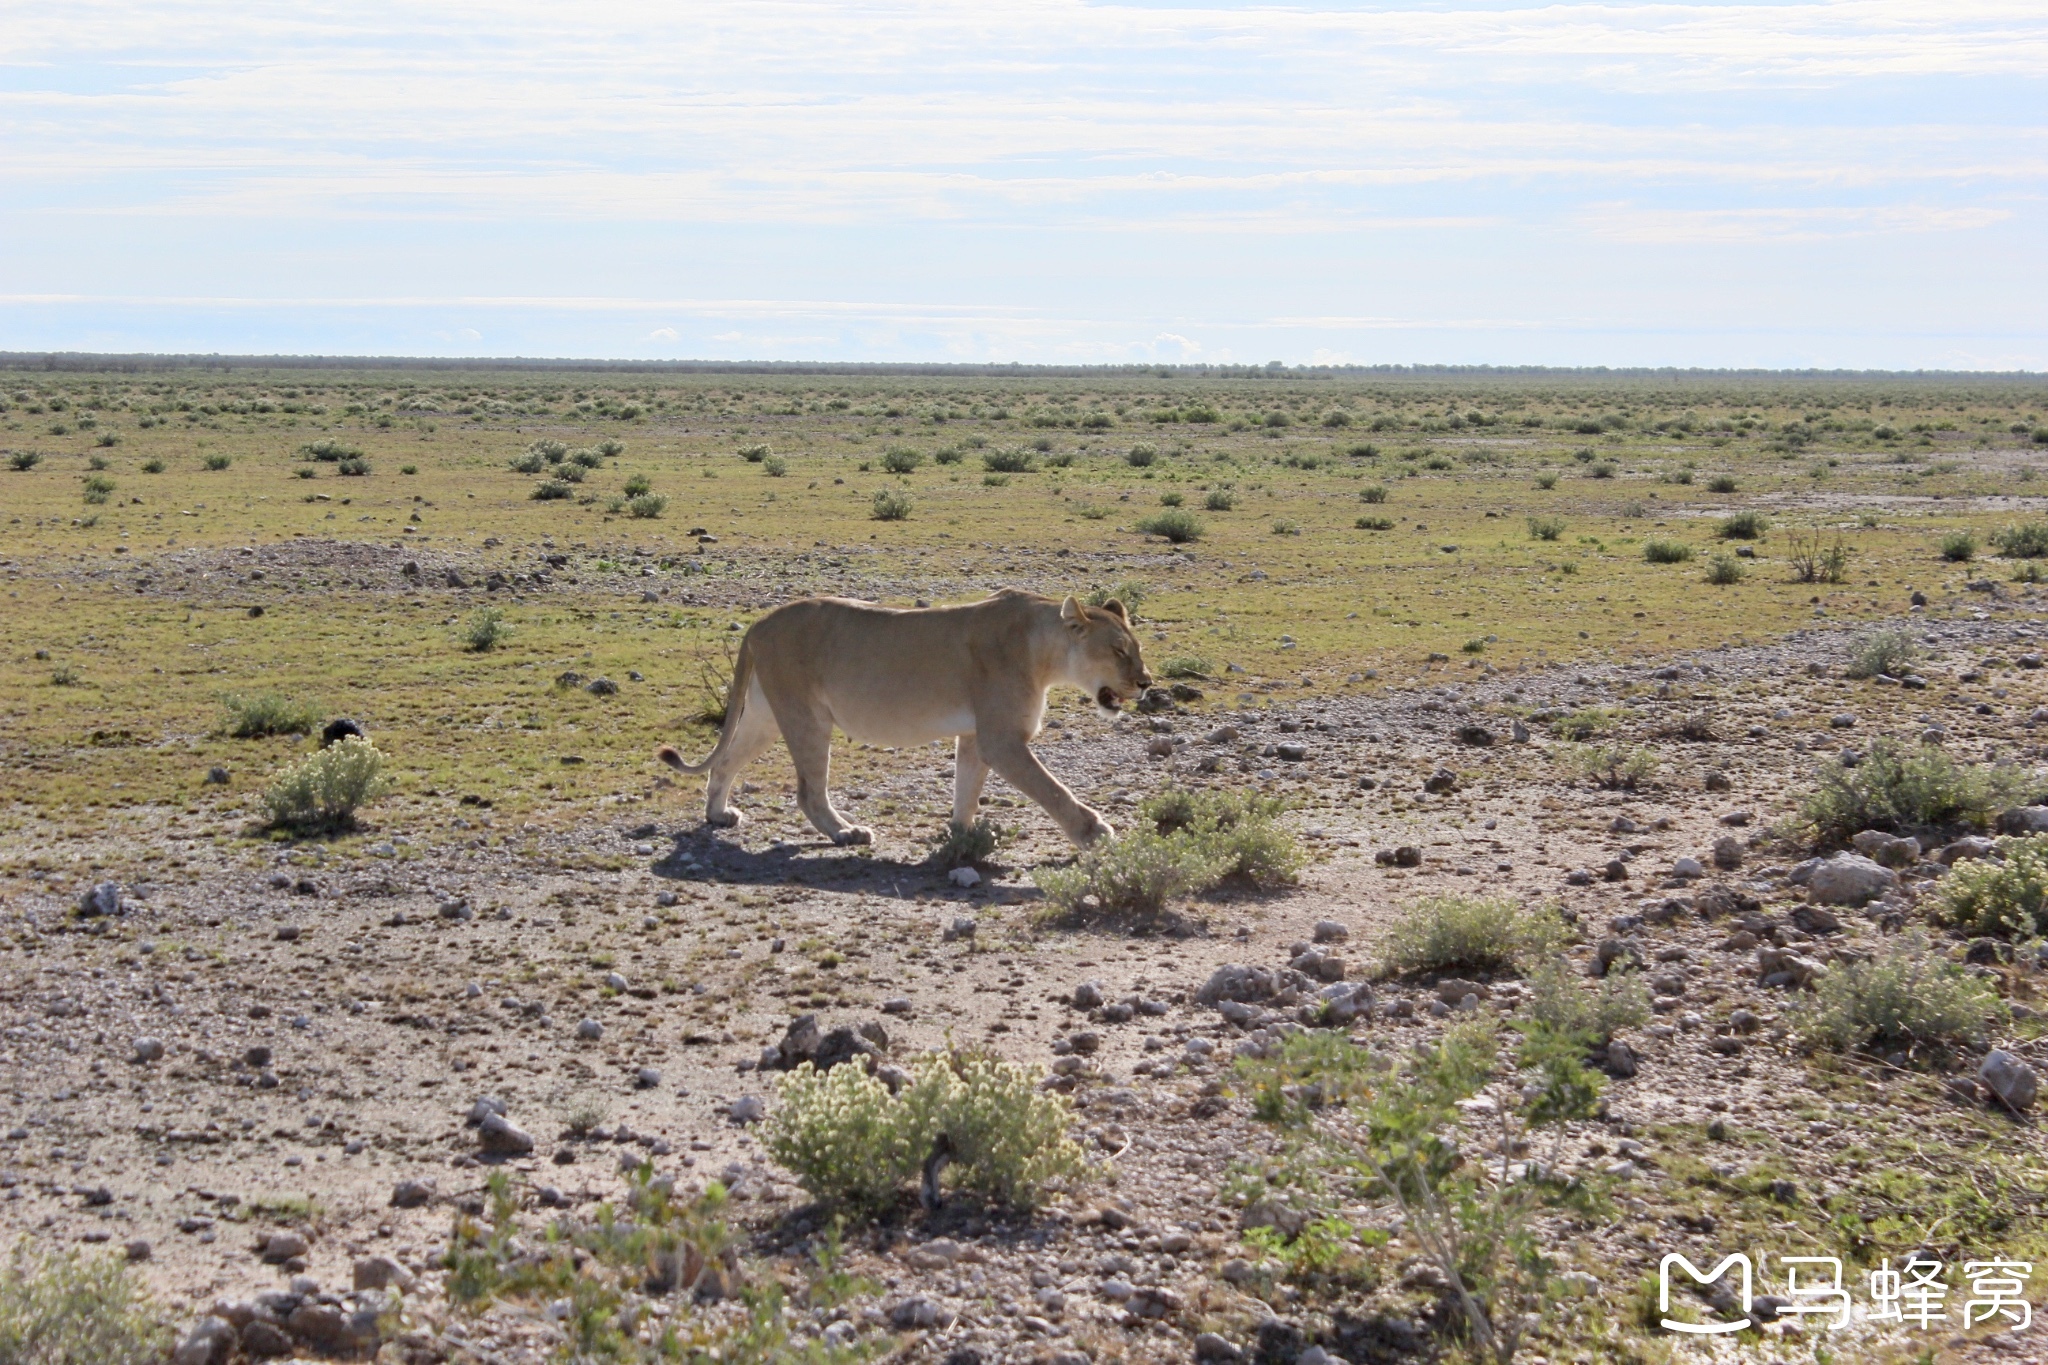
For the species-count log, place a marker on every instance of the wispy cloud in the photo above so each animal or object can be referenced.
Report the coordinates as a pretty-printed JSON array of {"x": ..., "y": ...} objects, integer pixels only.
[{"x": 983, "y": 175}]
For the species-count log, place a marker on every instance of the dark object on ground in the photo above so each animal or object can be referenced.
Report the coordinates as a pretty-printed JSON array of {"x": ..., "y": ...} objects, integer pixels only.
[{"x": 340, "y": 729}]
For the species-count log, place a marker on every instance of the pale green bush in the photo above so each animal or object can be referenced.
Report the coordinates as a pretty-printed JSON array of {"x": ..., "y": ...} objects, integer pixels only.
[
  {"x": 254, "y": 715},
  {"x": 1136, "y": 874},
  {"x": 1558, "y": 1000},
  {"x": 1469, "y": 933},
  {"x": 1905, "y": 786},
  {"x": 1236, "y": 828},
  {"x": 852, "y": 1143},
  {"x": 1908, "y": 994},
  {"x": 2009, "y": 898},
  {"x": 60, "y": 1308},
  {"x": 324, "y": 789}
]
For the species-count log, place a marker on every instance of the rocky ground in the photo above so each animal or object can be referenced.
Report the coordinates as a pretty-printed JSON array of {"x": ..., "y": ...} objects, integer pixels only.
[{"x": 264, "y": 1083}]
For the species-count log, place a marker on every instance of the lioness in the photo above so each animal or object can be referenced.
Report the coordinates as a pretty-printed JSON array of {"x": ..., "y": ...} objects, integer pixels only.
[{"x": 893, "y": 677}]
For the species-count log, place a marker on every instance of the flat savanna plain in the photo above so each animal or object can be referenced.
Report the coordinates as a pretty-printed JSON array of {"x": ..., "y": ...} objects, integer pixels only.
[{"x": 1372, "y": 562}]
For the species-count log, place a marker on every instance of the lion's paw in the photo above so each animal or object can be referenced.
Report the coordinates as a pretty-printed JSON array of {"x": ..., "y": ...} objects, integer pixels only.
[
  {"x": 727, "y": 818},
  {"x": 1095, "y": 829},
  {"x": 854, "y": 834}
]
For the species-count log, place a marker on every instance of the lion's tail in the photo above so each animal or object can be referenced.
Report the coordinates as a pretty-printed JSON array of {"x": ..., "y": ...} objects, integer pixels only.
[{"x": 735, "y": 702}]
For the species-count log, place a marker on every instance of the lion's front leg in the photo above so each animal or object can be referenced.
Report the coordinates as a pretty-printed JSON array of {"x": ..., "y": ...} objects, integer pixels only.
[{"x": 1010, "y": 756}]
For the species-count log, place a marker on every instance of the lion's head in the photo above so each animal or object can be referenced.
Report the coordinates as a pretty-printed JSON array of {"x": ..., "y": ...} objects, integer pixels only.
[{"x": 1105, "y": 659}]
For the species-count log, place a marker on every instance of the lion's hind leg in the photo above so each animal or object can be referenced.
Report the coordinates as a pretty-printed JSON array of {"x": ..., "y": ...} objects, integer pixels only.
[{"x": 749, "y": 740}]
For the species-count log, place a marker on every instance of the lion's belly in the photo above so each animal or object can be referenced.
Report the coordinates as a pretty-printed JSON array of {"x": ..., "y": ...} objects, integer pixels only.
[{"x": 885, "y": 721}]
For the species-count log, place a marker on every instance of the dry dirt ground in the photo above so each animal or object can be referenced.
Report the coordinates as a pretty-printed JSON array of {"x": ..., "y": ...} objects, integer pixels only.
[{"x": 327, "y": 1021}]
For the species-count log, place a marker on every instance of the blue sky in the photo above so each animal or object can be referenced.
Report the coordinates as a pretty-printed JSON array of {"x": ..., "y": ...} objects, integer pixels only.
[{"x": 1856, "y": 184}]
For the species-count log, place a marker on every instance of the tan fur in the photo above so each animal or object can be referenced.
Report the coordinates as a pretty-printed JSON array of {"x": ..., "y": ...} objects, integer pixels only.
[{"x": 977, "y": 673}]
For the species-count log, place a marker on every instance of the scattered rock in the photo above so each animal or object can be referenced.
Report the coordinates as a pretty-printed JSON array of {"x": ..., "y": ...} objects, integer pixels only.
[
  {"x": 748, "y": 1109},
  {"x": 103, "y": 898},
  {"x": 211, "y": 1341},
  {"x": 2010, "y": 1079},
  {"x": 381, "y": 1272},
  {"x": 1845, "y": 879},
  {"x": 497, "y": 1136},
  {"x": 1330, "y": 931},
  {"x": 964, "y": 876},
  {"x": 412, "y": 1194},
  {"x": 148, "y": 1049},
  {"x": 279, "y": 1247}
]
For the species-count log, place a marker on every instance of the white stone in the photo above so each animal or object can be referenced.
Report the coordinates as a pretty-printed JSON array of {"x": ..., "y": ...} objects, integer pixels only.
[
  {"x": 964, "y": 876},
  {"x": 1849, "y": 879}
]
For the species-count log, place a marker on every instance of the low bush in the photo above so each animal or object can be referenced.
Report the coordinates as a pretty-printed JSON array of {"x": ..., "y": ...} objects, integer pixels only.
[
  {"x": 532, "y": 462},
  {"x": 753, "y": 454},
  {"x": 1744, "y": 526},
  {"x": 1175, "y": 524},
  {"x": 1130, "y": 592},
  {"x": 891, "y": 504},
  {"x": 1468, "y": 933},
  {"x": 1187, "y": 666},
  {"x": 1135, "y": 875},
  {"x": 775, "y": 466},
  {"x": 587, "y": 459},
  {"x": 217, "y": 461},
  {"x": 329, "y": 452},
  {"x": 638, "y": 484},
  {"x": 1959, "y": 547},
  {"x": 2026, "y": 540},
  {"x": 1560, "y": 998},
  {"x": 1725, "y": 570},
  {"x": 1547, "y": 480},
  {"x": 484, "y": 630},
  {"x": 1889, "y": 652},
  {"x": 1721, "y": 483},
  {"x": 551, "y": 490},
  {"x": 568, "y": 472},
  {"x": 1374, "y": 523},
  {"x": 1286, "y": 526},
  {"x": 1908, "y": 994},
  {"x": 257, "y": 714},
  {"x": 1373, "y": 493},
  {"x": 1239, "y": 828},
  {"x": 1899, "y": 786},
  {"x": 2005, "y": 897},
  {"x": 968, "y": 844},
  {"x": 98, "y": 488},
  {"x": 1612, "y": 767},
  {"x": 1602, "y": 470},
  {"x": 1220, "y": 500},
  {"x": 646, "y": 506},
  {"x": 325, "y": 789},
  {"x": 61, "y": 1308},
  {"x": 1583, "y": 724},
  {"x": 901, "y": 460},
  {"x": 153, "y": 465},
  {"x": 1816, "y": 561},
  {"x": 853, "y": 1144},
  {"x": 1170, "y": 499},
  {"x": 354, "y": 468},
  {"x": 25, "y": 460},
  {"x": 1009, "y": 462},
  {"x": 1667, "y": 551},
  {"x": 1141, "y": 456},
  {"x": 1546, "y": 528}
]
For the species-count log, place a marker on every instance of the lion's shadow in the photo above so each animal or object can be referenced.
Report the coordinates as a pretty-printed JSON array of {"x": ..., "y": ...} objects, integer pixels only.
[{"x": 708, "y": 856}]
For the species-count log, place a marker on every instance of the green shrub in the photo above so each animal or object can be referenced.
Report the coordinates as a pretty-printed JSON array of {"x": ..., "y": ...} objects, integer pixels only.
[
  {"x": 775, "y": 466},
  {"x": 1725, "y": 570},
  {"x": 25, "y": 460},
  {"x": 1128, "y": 591},
  {"x": 1170, "y": 499},
  {"x": 1959, "y": 547},
  {"x": 532, "y": 462},
  {"x": 947, "y": 455},
  {"x": 1374, "y": 523},
  {"x": 1219, "y": 500},
  {"x": 965, "y": 844},
  {"x": 1612, "y": 767},
  {"x": 2026, "y": 540},
  {"x": 1175, "y": 524},
  {"x": 408, "y": 469},
  {"x": 1238, "y": 828},
  {"x": 570, "y": 472},
  {"x": 1899, "y": 786},
  {"x": 329, "y": 452},
  {"x": 217, "y": 461},
  {"x": 891, "y": 504},
  {"x": 1602, "y": 470},
  {"x": 2008, "y": 899},
  {"x": 1187, "y": 666},
  {"x": 1286, "y": 526},
  {"x": 852, "y": 1144},
  {"x": 1547, "y": 480},
  {"x": 98, "y": 488},
  {"x": 1744, "y": 526},
  {"x": 323, "y": 790},
  {"x": 60, "y": 1308},
  {"x": 638, "y": 484},
  {"x": 1467, "y": 933},
  {"x": 153, "y": 465},
  {"x": 551, "y": 490},
  {"x": 258, "y": 714},
  {"x": 484, "y": 630},
  {"x": 1666, "y": 551},
  {"x": 1721, "y": 483},
  {"x": 354, "y": 467},
  {"x": 1907, "y": 994},
  {"x": 901, "y": 460},
  {"x": 754, "y": 454},
  {"x": 995, "y": 481},
  {"x": 586, "y": 459},
  {"x": 1546, "y": 528},
  {"x": 1373, "y": 493},
  {"x": 1134, "y": 875},
  {"x": 1890, "y": 652},
  {"x": 646, "y": 506},
  {"x": 611, "y": 448},
  {"x": 1140, "y": 457},
  {"x": 1583, "y": 724},
  {"x": 1009, "y": 462},
  {"x": 1560, "y": 999}
]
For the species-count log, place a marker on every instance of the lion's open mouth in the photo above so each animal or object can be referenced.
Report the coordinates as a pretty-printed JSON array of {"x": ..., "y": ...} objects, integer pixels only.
[{"x": 1109, "y": 699}]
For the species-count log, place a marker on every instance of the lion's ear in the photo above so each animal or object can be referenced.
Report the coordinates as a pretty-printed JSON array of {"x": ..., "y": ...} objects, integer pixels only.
[
  {"x": 1116, "y": 609},
  {"x": 1071, "y": 613}
]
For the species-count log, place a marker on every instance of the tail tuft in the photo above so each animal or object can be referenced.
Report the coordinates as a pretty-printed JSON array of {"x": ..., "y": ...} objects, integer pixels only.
[{"x": 667, "y": 754}]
